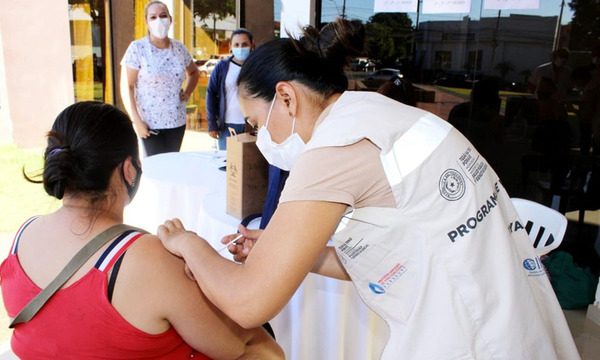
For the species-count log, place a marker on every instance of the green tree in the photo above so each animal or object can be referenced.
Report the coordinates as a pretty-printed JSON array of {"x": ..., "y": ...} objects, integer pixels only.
[
  {"x": 389, "y": 37},
  {"x": 585, "y": 31},
  {"x": 214, "y": 10}
]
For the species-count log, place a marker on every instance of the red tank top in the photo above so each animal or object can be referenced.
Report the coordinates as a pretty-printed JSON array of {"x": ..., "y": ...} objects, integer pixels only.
[{"x": 79, "y": 322}]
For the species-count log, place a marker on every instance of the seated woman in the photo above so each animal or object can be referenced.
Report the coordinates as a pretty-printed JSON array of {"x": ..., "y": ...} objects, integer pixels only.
[{"x": 131, "y": 299}]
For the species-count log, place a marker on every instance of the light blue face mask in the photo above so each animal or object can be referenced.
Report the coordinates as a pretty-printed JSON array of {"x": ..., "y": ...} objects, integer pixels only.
[{"x": 241, "y": 53}]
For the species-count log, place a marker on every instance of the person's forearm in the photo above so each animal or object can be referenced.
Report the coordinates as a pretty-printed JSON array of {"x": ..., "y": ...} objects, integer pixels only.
[
  {"x": 220, "y": 279},
  {"x": 191, "y": 83},
  {"x": 329, "y": 265},
  {"x": 130, "y": 105},
  {"x": 127, "y": 87}
]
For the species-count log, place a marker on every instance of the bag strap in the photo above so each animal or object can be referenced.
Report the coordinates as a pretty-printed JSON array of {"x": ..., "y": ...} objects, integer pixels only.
[{"x": 29, "y": 311}]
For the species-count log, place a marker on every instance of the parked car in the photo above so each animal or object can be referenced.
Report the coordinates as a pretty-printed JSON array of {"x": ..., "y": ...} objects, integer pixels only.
[
  {"x": 362, "y": 64},
  {"x": 358, "y": 64},
  {"x": 458, "y": 79},
  {"x": 383, "y": 74},
  {"x": 206, "y": 66},
  {"x": 369, "y": 66}
]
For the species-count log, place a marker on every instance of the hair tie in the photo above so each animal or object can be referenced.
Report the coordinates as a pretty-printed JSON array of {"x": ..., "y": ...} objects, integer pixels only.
[{"x": 54, "y": 151}]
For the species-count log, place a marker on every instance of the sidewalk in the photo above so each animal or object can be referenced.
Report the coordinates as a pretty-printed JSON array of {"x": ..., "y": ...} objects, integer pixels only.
[{"x": 444, "y": 102}]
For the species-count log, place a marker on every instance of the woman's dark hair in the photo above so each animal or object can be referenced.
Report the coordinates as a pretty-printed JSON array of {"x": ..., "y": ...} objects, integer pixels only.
[
  {"x": 88, "y": 140},
  {"x": 242, "y": 31},
  {"x": 316, "y": 60}
]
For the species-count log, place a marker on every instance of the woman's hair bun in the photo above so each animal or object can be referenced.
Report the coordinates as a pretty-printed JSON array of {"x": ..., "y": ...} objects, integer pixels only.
[
  {"x": 87, "y": 142},
  {"x": 336, "y": 42},
  {"x": 60, "y": 167}
]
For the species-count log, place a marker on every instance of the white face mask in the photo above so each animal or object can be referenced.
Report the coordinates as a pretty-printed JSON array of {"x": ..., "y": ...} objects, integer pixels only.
[
  {"x": 282, "y": 155},
  {"x": 159, "y": 27}
]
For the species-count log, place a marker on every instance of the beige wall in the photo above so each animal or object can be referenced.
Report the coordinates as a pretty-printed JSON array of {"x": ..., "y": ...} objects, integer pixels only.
[{"x": 36, "y": 80}]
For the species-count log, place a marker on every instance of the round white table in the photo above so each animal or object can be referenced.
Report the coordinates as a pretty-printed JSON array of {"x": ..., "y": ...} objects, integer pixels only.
[
  {"x": 325, "y": 319},
  {"x": 174, "y": 185}
]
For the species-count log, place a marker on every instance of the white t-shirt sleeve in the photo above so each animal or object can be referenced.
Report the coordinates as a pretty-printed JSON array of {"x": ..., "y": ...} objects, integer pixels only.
[
  {"x": 131, "y": 59},
  {"x": 183, "y": 53}
]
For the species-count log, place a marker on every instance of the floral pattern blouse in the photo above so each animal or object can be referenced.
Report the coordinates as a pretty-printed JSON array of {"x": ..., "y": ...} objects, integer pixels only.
[{"x": 160, "y": 77}]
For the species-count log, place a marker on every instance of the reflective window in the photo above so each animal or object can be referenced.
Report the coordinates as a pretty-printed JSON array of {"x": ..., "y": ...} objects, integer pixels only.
[
  {"x": 522, "y": 85},
  {"x": 88, "y": 49}
]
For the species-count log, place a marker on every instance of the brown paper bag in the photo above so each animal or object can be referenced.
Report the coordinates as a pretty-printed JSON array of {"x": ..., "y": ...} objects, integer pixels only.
[{"x": 247, "y": 176}]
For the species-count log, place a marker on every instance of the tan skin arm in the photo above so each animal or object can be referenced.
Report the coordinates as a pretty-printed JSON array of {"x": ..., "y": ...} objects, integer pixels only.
[
  {"x": 288, "y": 249},
  {"x": 192, "y": 80},
  {"x": 128, "y": 80},
  {"x": 329, "y": 265},
  {"x": 152, "y": 292}
]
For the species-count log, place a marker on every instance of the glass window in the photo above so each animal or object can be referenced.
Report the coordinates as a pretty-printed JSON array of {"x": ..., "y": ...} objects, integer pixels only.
[
  {"x": 88, "y": 49},
  {"x": 442, "y": 60},
  {"x": 498, "y": 77}
]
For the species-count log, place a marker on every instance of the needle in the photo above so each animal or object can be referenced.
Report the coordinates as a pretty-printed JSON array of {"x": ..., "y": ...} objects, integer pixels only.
[{"x": 231, "y": 242}]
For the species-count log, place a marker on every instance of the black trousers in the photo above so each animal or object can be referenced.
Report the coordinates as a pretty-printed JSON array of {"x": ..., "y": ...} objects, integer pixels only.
[{"x": 167, "y": 140}]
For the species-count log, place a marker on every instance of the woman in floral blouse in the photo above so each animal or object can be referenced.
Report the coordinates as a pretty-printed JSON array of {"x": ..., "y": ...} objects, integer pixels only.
[{"x": 155, "y": 68}]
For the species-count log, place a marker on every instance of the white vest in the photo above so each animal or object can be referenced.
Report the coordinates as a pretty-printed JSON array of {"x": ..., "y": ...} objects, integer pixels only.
[{"x": 446, "y": 268}]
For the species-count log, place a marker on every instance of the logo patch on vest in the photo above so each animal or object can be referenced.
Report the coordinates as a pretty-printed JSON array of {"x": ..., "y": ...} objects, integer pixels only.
[
  {"x": 387, "y": 279},
  {"x": 534, "y": 267},
  {"x": 452, "y": 185}
]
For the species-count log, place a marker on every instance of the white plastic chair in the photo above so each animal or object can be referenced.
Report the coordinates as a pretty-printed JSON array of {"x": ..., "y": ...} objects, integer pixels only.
[{"x": 546, "y": 227}]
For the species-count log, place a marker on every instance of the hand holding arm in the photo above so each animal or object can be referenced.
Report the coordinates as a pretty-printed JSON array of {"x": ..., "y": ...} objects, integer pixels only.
[
  {"x": 288, "y": 249},
  {"x": 174, "y": 236},
  {"x": 154, "y": 294}
]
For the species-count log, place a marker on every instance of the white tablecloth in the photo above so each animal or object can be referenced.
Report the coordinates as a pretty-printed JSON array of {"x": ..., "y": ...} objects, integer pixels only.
[
  {"x": 325, "y": 319},
  {"x": 174, "y": 185}
]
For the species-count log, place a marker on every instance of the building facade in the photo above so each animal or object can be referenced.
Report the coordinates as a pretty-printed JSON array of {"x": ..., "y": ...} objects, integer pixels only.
[{"x": 519, "y": 42}]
